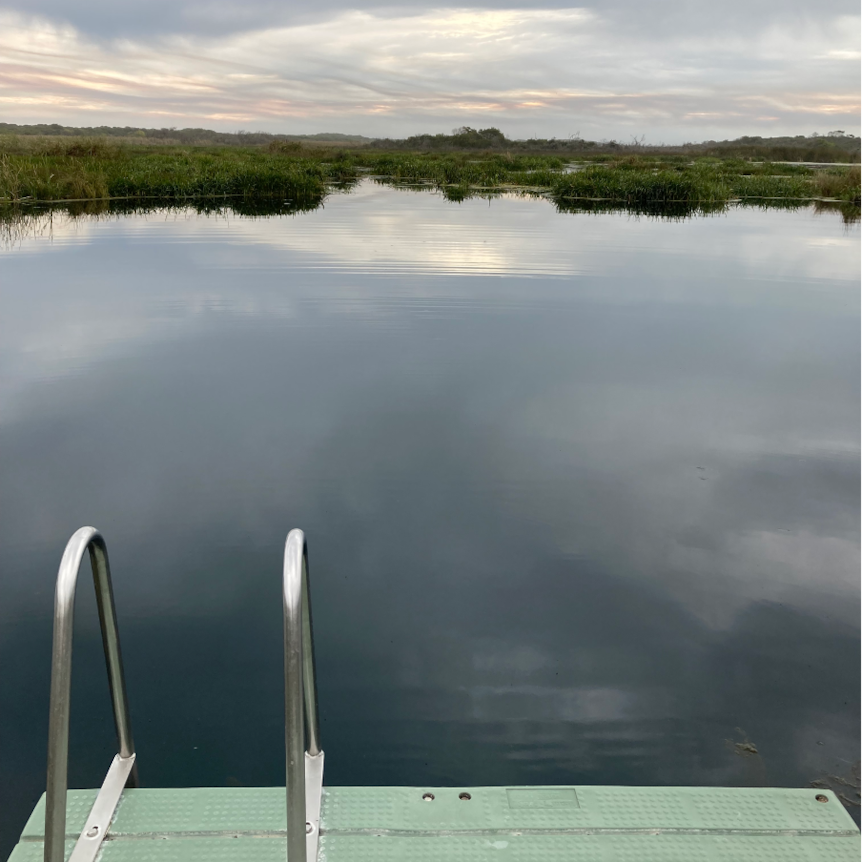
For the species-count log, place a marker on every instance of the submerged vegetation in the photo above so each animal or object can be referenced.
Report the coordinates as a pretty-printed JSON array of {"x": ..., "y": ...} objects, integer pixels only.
[{"x": 39, "y": 169}]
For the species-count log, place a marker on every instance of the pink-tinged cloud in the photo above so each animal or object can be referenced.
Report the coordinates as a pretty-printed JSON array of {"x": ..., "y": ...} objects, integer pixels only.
[{"x": 529, "y": 71}]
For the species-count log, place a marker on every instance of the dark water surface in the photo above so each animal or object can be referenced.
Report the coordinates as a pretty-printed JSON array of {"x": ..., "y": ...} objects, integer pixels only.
[{"x": 581, "y": 491}]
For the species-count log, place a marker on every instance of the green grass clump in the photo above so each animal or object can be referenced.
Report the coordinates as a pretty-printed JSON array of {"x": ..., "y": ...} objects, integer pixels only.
[
  {"x": 74, "y": 169},
  {"x": 48, "y": 178},
  {"x": 192, "y": 175},
  {"x": 640, "y": 186},
  {"x": 704, "y": 182},
  {"x": 754, "y": 186}
]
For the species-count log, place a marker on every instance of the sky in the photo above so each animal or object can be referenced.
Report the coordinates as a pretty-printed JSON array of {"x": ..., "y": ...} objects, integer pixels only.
[{"x": 665, "y": 71}]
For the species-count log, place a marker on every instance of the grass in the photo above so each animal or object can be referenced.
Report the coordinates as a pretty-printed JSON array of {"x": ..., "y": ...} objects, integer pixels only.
[
  {"x": 37, "y": 170},
  {"x": 839, "y": 185},
  {"x": 76, "y": 169}
]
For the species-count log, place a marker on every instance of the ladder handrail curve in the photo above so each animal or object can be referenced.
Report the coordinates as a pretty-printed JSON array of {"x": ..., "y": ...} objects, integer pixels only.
[
  {"x": 301, "y": 723},
  {"x": 123, "y": 771}
]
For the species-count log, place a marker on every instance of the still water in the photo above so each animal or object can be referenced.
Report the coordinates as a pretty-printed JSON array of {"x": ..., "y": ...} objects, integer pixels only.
[{"x": 581, "y": 491}]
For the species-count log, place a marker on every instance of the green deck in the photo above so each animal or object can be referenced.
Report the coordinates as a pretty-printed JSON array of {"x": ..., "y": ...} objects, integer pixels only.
[{"x": 527, "y": 824}]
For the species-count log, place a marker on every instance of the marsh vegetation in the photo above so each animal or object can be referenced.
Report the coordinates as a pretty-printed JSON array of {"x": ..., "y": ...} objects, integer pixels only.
[{"x": 43, "y": 169}]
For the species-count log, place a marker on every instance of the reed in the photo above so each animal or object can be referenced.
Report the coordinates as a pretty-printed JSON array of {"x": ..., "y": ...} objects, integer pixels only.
[
  {"x": 843, "y": 185},
  {"x": 81, "y": 169}
]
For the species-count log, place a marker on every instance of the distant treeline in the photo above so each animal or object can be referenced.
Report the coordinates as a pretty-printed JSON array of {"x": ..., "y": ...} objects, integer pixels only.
[
  {"x": 836, "y": 146},
  {"x": 176, "y": 136},
  {"x": 832, "y": 147}
]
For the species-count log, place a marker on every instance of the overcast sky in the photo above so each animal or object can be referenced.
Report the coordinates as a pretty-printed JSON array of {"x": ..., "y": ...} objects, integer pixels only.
[{"x": 671, "y": 70}]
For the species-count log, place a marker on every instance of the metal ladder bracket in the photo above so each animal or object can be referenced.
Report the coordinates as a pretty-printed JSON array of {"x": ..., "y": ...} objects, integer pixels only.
[
  {"x": 313, "y": 799},
  {"x": 102, "y": 813}
]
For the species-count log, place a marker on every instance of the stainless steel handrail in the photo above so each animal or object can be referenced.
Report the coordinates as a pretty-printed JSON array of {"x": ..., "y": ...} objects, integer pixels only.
[
  {"x": 122, "y": 772},
  {"x": 303, "y": 760}
]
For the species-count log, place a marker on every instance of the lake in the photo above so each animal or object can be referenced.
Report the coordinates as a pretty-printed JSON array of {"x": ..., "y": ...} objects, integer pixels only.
[{"x": 581, "y": 491}]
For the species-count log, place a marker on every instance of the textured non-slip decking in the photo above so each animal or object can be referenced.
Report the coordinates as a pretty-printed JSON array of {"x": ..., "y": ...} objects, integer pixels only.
[{"x": 527, "y": 824}]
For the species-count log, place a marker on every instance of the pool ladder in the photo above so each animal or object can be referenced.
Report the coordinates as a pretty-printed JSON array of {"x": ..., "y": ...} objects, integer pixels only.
[{"x": 303, "y": 754}]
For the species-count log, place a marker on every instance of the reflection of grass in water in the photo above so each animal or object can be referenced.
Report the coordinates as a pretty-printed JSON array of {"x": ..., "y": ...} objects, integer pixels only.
[
  {"x": 18, "y": 223},
  {"x": 21, "y": 222},
  {"x": 850, "y": 212},
  {"x": 668, "y": 210}
]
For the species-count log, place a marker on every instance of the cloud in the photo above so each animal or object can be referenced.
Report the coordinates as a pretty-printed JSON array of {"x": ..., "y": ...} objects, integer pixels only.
[
  {"x": 553, "y": 71},
  {"x": 667, "y": 20}
]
